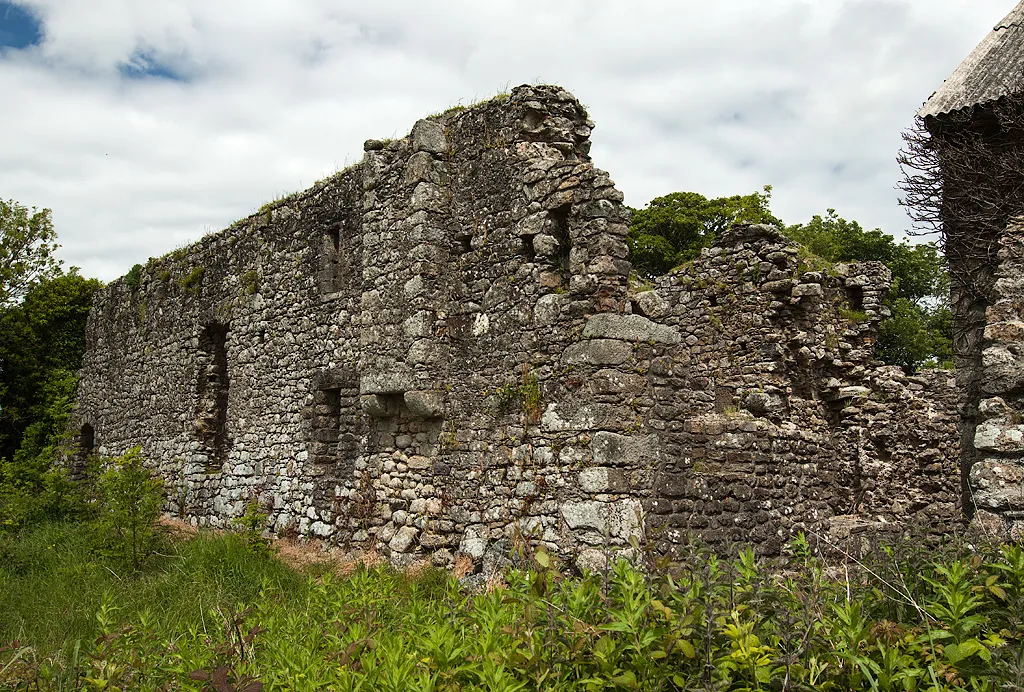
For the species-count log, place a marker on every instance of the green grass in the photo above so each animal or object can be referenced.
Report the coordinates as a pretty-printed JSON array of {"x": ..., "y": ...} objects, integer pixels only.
[
  {"x": 910, "y": 617},
  {"x": 54, "y": 582}
]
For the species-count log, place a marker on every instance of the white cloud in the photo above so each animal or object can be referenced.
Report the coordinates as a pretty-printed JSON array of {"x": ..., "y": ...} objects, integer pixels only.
[{"x": 719, "y": 98}]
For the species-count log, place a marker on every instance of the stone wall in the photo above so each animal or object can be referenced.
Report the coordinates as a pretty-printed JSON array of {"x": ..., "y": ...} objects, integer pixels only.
[
  {"x": 438, "y": 350},
  {"x": 995, "y": 440}
]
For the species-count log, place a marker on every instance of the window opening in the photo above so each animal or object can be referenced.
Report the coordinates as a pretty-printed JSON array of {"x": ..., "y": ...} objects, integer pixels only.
[
  {"x": 87, "y": 440},
  {"x": 855, "y": 295},
  {"x": 213, "y": 395},
  {"x": 560, "y": 229}
]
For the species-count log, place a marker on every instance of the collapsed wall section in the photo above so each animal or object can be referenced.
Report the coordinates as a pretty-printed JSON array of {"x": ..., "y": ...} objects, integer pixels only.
[{"x": 774, "y": 416}]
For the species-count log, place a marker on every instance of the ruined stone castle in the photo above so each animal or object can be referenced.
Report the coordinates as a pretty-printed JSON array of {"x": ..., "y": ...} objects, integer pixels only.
[{"x": 439, "y": 350}]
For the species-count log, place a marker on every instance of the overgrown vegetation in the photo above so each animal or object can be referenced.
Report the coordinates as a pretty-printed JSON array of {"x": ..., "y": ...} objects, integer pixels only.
[
  {"x": 674, "y": 228},
  {"x": 133, "y": 278},
  {"x": 524, "y": 395},
  {"x": 214, "y": 614},
  {"x": 190, "y": 282},
  {"x": 42, "y": 340}
]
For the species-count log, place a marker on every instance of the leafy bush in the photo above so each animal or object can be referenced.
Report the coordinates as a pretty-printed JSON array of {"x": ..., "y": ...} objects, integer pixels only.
[
  {"x": 251, "y": 525},
  {"x": 905, "y": 618},
  {"x": 128, "y": 501}
]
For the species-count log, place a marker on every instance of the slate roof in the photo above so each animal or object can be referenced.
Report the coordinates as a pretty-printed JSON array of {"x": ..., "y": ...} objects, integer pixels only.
[{"x": 994, "y": 69}]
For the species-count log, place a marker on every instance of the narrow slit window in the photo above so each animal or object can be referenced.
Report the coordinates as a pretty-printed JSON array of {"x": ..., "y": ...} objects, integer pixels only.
[
  {"x": 326, "y": 424},
  {"x": 212, "y": 386},
  {"x": 334, "y": 237}
]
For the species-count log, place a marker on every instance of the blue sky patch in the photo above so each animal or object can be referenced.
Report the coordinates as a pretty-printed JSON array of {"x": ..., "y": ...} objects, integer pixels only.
[
  {"x": 19, "y": 28},
  {"x": 144, "y": 66}
]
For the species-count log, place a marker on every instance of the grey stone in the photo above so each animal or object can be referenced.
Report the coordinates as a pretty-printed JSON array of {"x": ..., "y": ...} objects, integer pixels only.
[
  {"x": 403, "y": 539},
  {"x": 602, "y": 479},
  {"x": 612, "y": 449},
  {"x": 549, "y": 307},
  {"x": 376, "y": 406},
  {"x": 429, "y": 135},
  {"x": 425, "y": 404},
  {"x": 545, "y": 245},
  {"x": 763, "y": 403},
  {"x": 856, "y": 392},
  {"x": 998, "y": 484},
  {"x": 419, "y": 168},
  {"x": 592, "y": 560},
  {"x": 427, "y": 197},
  {"x": 803, "y": 290},
  {"x": 397, "y": 380},
  {"x": 997, "y": 436},
  {"x": 629, "y": 328},
  {"x": 652, "y": 304},
  {"x": 586, "y": 515},
  {"x": 598, "y": 352}
]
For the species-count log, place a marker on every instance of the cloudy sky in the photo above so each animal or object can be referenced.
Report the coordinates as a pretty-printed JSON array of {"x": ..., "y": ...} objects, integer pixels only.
[{"x": 144, "y": 124}]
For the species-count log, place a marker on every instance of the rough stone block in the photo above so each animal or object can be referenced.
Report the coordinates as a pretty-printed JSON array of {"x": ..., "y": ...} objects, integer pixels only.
[
  {"x": 598, "y": 352},
  {"x": 1003, "y": 368},
  {"x": 427, "y": 197},
  {"x": 853, "y": 392},
  {"x": 652, "y": 304},
  {"x": 403, "y": 539},
  {"x": 1004, "y": 331},
  {"x": 998, "y": 484},
  {"x": 629, "y": 328},
  {"x": 425, "y": 403},
  {"x": 592, "y": 560},
  {"x": 803, "y": 290},
  {"x": 428, "y": 135},
  {"x": 996, "y": 435},
  {"x": 602, "y": 479},
  {"x": 558, "y": 417},
  {"x": 549, "y": 307},
  {"x": 397, "y": 380},
  {"x": 376, "y": 406},
  {"x": 426, "y": 351},
  {"x": 585, "y": 515},
  {"x": 545, "y": 245},
  {"x": 612, "y": 449},
  {"x": 418, "y": 169}
]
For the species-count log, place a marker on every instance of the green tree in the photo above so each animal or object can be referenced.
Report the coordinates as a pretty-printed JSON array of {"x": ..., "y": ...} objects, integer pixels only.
[
  {"x": 672, "y": 229},
  {"x": 129, "y": 498},
  {"x": 918, "y": 271},
  {"x": 42, "y": 340},
  {"x": 27, "y": 244},
  {"x": 919, "y": 330}
]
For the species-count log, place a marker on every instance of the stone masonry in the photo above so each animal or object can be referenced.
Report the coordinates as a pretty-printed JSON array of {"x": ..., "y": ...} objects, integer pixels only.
[
  {"x": 439, "y": 350},
  {"x": 996, "y": 476}
]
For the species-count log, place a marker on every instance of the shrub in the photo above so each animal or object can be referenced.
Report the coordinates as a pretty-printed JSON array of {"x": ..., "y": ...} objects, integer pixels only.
[{"x": 129, "y": 498}]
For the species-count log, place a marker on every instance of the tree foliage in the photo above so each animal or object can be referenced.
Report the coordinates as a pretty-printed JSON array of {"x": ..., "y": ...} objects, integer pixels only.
[
  {"x": 918, "y": 332},
  {"x": 27, "y": 244},
  {"x": 672, "y": 229},
  {"x": 42, "y": 340},
  {"x": 128, "y": 501}
]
